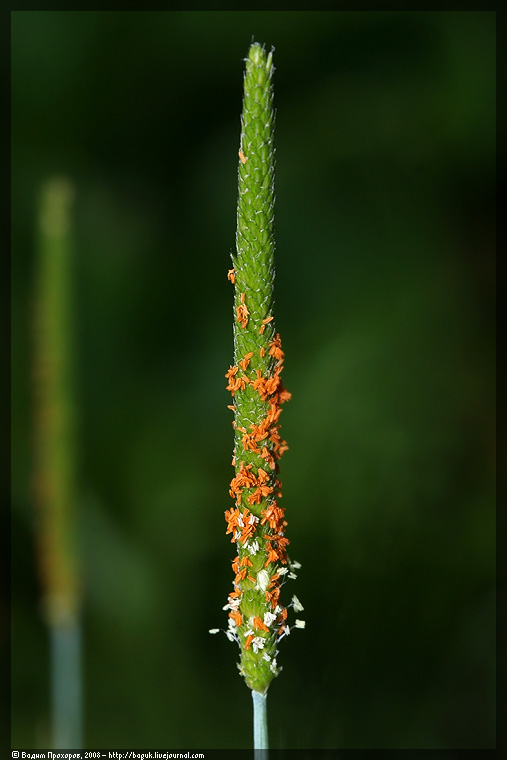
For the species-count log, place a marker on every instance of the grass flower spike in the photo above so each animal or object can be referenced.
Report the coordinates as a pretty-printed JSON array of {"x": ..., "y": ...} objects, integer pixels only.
[{"x": 256, "y": 523}]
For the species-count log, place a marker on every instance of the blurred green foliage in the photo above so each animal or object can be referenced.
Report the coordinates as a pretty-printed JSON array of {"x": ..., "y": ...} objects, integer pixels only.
[{"x": 385, "y": 303}]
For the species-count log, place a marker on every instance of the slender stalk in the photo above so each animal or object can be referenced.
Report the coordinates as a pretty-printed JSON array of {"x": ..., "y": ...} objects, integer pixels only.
[
  {"x": 260, "y": 725},
  {"x": 54, "y": 487}
]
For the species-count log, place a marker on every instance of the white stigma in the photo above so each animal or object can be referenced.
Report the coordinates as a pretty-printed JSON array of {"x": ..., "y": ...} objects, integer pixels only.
[
  {"x": 253, "y": 547},
  {"x": 258, "y": 643},
  {"x": 263, "y": 579},
  {"x": 269, "y": 618},
  {"x": 298, "y": 607}
]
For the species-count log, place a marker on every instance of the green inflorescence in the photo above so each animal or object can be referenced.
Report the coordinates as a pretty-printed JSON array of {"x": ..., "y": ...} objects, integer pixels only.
[{"x": 257, "y": 618}]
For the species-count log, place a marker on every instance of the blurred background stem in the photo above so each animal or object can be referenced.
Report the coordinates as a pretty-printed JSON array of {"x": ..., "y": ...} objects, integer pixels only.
[
  {"x": 54, "y": 487},
  {"x": 66, "y": 696}
]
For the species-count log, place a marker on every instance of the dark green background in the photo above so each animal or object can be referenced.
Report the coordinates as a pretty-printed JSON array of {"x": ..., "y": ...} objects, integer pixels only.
[{"x": 385, "y": 303}]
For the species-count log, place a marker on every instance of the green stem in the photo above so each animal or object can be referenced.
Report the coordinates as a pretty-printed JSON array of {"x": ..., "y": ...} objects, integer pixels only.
[{"x": 260, "y": 724}]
